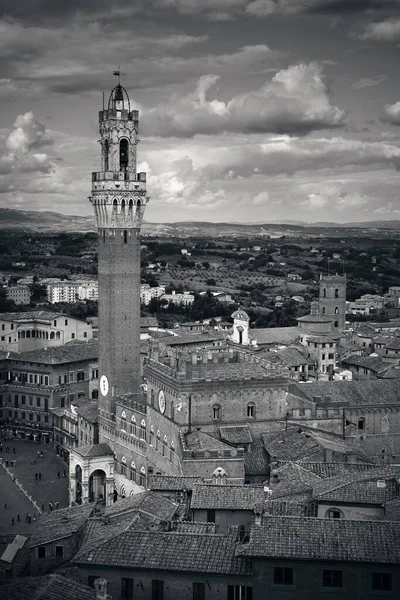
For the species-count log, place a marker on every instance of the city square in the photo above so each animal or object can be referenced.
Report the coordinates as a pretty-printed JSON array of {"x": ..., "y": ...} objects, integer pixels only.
[{"x": 51, "y": 487}]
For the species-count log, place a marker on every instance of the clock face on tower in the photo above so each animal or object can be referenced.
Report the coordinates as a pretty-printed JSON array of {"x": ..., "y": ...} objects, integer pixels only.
[
  {"x": 161, "y": 401},
  {"x": 103, "y": 385}
]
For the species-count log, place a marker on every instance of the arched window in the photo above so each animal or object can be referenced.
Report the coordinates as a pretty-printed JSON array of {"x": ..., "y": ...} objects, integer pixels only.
[
  {"x": 132, "y": 473},
  {"x": 106, "y": 154},
  {"x": 130, "y": 205},
  {"x": 28, "y": 333},
  {"x": 47, "y": 335},
  {"x": 124, "y": 424},
  {"x": 324, "y": 293},
  {"x": 125, "y": 236},
  {"x": 217, "y": 412},
  {"x": 58, "y": 335},
  {"x": 23, "y": 334},
  {"x": 336, "y": 310},
  {"x": 123, "y": 466},
  {"x": 138, "y": 202},
  {"x": 152, "y": 397},
  {"x": 336, "y": 293},
  {"x": 336, "y": 323},
  {"x": 334, "y": 513},
  {"x": 251, "y": 410},
  {"x": 219, "y": 476},
  {"x": 142, "y": 477},
  {"x": 361, "y": 424},
  {"x": 123, "y": 154},
  {"x": 323, "y": 310},
  {"x": 133, "y": 425}
]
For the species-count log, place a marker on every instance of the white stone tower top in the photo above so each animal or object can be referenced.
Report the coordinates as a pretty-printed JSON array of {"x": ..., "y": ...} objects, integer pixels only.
[{"x": 118, "y": 191}]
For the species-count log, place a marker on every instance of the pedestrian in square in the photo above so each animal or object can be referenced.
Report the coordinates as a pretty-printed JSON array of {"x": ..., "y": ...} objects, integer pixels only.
[
  {"x": 58, "y": 474},
  {"x": 18, "y": 518},
  {"x": 41, "y": 454},
  {"x": 64, "y": 473},
  {"x": 40, "y": 475},
  {"x": 26, "y": 517},
  {"x": 5, "y": 505},
  {"x": 14, "y": 450},
  {"x": 12, "y": 521},
  {"x": 38, "y": 454},
  {"x": 56, "y": 504},
  {"x": 29, "y": 519},
  {"x": 42, "y": 508},
  {"x": 36, "y": 475},
  {"x": 50, "y": 506}
]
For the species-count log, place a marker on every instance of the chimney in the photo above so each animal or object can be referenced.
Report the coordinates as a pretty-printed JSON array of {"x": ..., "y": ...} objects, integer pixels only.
[
  {"x": 274, "y": 477},
  {"x": 100, "y": 585}
]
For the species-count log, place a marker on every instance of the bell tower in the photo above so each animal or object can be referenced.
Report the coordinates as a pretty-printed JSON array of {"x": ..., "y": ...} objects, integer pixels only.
[{"x": 119, "y": 200}]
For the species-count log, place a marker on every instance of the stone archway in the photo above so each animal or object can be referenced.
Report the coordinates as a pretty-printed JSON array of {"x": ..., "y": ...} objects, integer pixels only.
[{"x": 97, "y": 485}]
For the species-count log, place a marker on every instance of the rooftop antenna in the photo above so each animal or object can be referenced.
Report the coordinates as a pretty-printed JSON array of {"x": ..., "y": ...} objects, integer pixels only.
[{"x": 329, "y": 260}]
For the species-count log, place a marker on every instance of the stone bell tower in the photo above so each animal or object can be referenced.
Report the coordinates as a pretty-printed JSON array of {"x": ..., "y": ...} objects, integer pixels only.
[{"x": 118, "y": 199}]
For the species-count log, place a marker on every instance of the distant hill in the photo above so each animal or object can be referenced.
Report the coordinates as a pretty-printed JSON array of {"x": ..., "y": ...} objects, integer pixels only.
[{"x": 53, "y": 221}]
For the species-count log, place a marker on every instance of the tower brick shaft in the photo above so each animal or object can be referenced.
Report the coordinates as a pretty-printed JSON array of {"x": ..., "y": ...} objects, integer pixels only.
[
  {"x": 118, "y": 199},
  {"x": 332, "y": 299}
]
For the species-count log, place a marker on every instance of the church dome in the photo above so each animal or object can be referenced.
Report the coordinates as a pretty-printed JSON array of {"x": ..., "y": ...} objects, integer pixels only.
[{"x": 241, "y": 315}]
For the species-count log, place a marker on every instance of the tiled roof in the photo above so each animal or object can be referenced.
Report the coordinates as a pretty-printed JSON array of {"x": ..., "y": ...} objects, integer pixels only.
[
  {"x": 256, "y": 459},
  {"x": 147, "y": 502},
  {"x": 275, "y": 335},
  {"x": 311, "y": 318},
  {"x": 34, "y": 315},
  {"x": 374, "y": 363},
  {"x": 194, "y": 527},
  {"x": 173, "y": 484},
  {"x": 332, "y": 469},
  {"x": 361, "y": 487},
  {"x": 303, "y": 538},
  {"x": 299, "y": 444},
  {"x": 200, "y": 553},
  {"x": 200, "y": 440},
  {"x": 193, "y": 338},
  {"x": 292, "y": 357},
  {"x": 394, "y": 344},
  {"x": 59, "y": 524},
  {"x": 233, "y": 371},
  {"x": 94, "y": 450},
  {"x": 289, "y": 508},
  {"x": 99, "y": 529},
  {"x": 351, "y": 393},
  {"x": 236, "y": 434},
  {"x": 293, "y": 481},
  {"x": 226, "y": 497},
  {"x": 71, "y": 352},
  {"x": 47, "y": 587},
  {"x": 89, "y": 410},
  {"x": 392, "y": 372}
]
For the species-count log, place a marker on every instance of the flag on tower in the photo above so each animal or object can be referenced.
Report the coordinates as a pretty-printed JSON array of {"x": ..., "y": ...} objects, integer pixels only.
[{"x": 117, "y": 73}]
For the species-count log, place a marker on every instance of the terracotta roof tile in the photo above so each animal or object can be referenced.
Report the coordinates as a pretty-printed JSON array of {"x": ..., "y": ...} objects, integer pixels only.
[
  {"x": 173, "y": 484},
  {"x": 59, "y": 524},
  {"x": 303, "y": 538},
  {"x": 200, "y": 553},
  {"x": 226, "y": 497},
  {"x": 47, "y": 587},
  {"x": 236, "y": 434}
]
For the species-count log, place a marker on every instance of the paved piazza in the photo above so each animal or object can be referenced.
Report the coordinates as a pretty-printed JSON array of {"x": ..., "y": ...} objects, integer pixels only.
[{"x": 50, "y": 488}]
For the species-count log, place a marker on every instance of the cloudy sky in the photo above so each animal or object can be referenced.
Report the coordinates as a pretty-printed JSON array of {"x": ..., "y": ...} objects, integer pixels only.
[{"x": 250, "y": 110}]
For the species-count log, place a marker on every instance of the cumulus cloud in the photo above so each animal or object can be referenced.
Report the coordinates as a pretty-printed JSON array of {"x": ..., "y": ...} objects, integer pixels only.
[
  {"x": 296, "y": 100},
  {"x": 391, "y": 114},
  {"x": 332, "y": 195},
  {"x": 384, "y": 31},
  {"x": 27, "y": 134}
]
